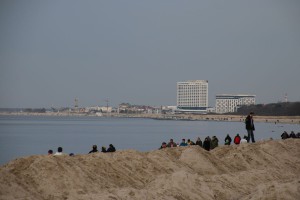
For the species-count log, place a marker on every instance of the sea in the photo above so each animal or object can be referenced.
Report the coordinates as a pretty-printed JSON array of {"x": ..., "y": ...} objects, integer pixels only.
[{"x": 34, "y": 135}]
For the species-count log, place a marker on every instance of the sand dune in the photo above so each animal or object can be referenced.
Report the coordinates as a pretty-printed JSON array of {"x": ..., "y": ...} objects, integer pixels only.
[{"x": 265, "y": 170}]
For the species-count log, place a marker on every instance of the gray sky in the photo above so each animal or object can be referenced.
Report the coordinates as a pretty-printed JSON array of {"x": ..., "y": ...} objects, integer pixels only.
[{"x": 136, "y": 51}]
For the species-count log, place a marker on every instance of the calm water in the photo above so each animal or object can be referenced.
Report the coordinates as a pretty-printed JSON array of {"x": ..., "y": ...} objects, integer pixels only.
[{"x": 29, "y": 135}]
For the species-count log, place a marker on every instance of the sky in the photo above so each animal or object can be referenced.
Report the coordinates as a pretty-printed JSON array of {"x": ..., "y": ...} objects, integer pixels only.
[{"x": 53, "y": 51}]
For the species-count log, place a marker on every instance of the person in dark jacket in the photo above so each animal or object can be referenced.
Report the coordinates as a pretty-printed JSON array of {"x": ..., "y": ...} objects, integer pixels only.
[
  {"x": 214, "y": 142},
  {"x": 293, "y": 135},
  {"x": 284, "y": 135},
  {"x": 103, "y": 149},
  {"x": 94, "y": 150},
  {"x": 250, "y": 127},
  {"x": 199, "y": 142},
  {"x": 111, "y": 148},
  {"x": 228, "y": 140},
  {"x": 206, "y": 144},
  {"x": 163, "y": 145}
]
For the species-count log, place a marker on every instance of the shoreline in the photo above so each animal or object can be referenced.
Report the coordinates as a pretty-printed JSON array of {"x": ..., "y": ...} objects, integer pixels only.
[{"x": 183, "y": 117}]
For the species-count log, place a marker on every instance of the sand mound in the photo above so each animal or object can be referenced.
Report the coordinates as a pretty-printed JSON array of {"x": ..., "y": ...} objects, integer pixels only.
[{"x": 265, "y": 170}]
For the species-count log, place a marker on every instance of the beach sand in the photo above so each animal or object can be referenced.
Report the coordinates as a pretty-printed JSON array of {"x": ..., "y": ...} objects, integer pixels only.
[{"x": 264, "y": 170}]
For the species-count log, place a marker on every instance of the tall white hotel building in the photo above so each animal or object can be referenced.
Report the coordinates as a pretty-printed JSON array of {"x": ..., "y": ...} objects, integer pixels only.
[
  {"x": 192, "y": 95},
  {"x": 226, "y": 103}
]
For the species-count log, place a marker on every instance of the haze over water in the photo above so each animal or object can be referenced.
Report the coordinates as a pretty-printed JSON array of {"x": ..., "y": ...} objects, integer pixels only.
[{"x": 31, "y": 135}]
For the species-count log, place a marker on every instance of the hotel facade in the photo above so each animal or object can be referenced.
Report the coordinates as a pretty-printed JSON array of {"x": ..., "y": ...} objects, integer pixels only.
[
  {"x": 192, "y": 95},
  {"x": 226, "y": 103}
]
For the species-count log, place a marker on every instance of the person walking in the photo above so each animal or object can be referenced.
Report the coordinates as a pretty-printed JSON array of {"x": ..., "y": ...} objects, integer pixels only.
[{"x": 250, "y": 127}]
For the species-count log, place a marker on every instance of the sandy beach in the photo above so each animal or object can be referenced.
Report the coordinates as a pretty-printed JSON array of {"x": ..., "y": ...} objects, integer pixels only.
[{"x": 264, "y": 170}]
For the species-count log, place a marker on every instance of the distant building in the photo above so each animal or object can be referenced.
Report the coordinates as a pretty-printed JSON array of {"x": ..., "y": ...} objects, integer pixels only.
[
  {"x": 192, "y": 96},
  {"x": 226, "y": 103}
]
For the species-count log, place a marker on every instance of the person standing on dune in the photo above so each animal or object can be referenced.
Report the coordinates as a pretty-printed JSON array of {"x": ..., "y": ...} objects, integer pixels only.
[{"x": 250, "y": 127}]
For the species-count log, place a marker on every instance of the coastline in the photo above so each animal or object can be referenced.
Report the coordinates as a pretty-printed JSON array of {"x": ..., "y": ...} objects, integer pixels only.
[{"x": 186, "y": 117}]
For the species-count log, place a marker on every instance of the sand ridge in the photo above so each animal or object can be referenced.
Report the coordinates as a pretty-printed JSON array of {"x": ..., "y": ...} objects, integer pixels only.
[{"x": 264, "y": 170}]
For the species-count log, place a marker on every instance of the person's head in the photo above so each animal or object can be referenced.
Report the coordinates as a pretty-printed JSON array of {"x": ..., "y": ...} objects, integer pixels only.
[
  {"x": 237, "y": 134},
  {"x": 111, "y": 145},
  {"x": 251, "y": 113},
  {"x": 171, "y": 140},
  {"x": 164, "y": 145},
  {"x": 71, "y": 154},
  {"x": 103, "y": 148},
  {"x": 94, "y": 147},
  {"x": 50, "y": 152},
  {"x": 60, "y": 149},
  {"x": 183, "y": 140}
]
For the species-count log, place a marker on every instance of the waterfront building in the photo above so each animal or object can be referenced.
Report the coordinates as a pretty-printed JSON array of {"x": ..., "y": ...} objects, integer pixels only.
[
  {"x": 192, "y": 96},
  {"x": 226, "y": 103}
]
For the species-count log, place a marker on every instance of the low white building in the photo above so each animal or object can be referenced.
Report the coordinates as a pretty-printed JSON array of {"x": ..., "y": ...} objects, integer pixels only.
[{"x": 226, "y": 103}]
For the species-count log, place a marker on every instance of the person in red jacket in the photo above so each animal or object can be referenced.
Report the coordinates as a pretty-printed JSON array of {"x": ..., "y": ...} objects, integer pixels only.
[{"x": 237, "y": 139}]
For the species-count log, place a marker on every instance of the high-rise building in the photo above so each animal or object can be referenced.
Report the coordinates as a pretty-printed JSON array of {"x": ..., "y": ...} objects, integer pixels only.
[
  {"x": 192, "y": 95},
  {"x": 226, "y": 103}
]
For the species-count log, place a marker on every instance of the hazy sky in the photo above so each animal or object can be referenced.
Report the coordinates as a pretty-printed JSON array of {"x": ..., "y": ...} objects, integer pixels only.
[{"x": 136, "y": 51}]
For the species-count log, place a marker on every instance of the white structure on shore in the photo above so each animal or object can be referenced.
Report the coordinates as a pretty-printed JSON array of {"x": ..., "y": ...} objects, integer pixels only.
[
  {"x": 226, "y": 103},
  {"x": 192, "y": 96}
]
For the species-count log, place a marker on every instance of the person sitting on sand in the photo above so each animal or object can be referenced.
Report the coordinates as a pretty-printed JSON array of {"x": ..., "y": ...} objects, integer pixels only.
[
  {"x": 163, "y": 145},
  {"x": 50, "y": 152},
  {"x": 199, "y": 142},
  {"x": 206, "y": 144},
  {"x": 59, "y": 151},
  {"x": 284, "y": 135},
  {"x": 292, "y": 135},
  {"x": 190, "y": 142},
  {"x": 94, "y": 150},
  {"x": 183, "y": 143},
  {"x": 214, "y": 142},
  {"x": 111, "y": 148},
  {"x": 171, "y": 143},
  {"x": 103, "y": 149},
  {"x": 228, "y": 140},
  {"x": 244, "y": 140},
  {"x": 237, "y": 139}
]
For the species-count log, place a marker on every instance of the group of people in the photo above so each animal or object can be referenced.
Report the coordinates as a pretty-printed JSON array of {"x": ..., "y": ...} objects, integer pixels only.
[
  {"x": 211, "y": 143},
  {"x": 208, "y": 143},
  {"x": 285, "y": 135},
  {"x": 59, "y": 152},
  {"x": 111, "y": 148}
]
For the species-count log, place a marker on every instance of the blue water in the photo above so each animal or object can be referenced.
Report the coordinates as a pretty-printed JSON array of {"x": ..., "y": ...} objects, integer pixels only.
[{"x": 31, "y": 135}]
